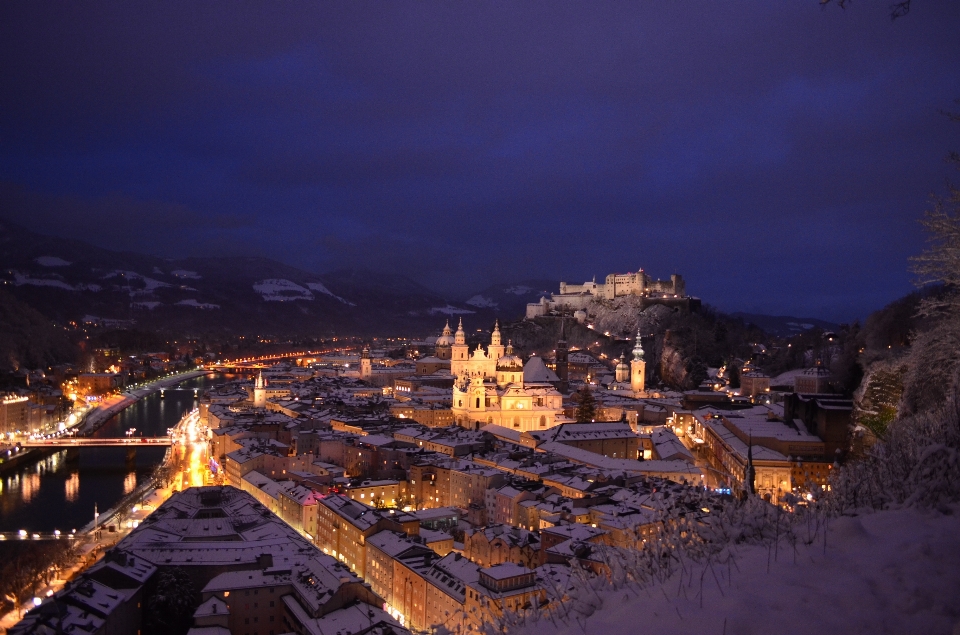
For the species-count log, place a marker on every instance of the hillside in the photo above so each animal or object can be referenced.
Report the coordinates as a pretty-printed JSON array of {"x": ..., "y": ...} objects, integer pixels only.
[
  {"x": 888, "y": 572},
  {"x": 69, "y": 280}
]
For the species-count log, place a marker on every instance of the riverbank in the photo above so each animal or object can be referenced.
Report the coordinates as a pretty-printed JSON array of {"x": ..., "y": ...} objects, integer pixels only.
[
  {"x": 115, "y": 404},
  {"x": 97, "y": 416},
  {"x": 124, "y": 516}
]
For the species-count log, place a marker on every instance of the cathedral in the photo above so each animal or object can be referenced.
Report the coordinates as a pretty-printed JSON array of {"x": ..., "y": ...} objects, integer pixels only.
[{"x": 493, "y": 386}]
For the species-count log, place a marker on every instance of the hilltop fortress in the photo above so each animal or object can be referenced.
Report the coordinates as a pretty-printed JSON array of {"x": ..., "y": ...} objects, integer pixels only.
[{"x": 672, "y": 292}]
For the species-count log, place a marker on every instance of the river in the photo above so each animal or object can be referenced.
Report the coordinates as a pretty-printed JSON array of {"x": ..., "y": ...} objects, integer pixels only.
[{"x": 60, "y": 491}]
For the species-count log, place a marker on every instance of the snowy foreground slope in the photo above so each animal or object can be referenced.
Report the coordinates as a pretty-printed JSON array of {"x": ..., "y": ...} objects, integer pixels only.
[{"x": 887, "y": 572}]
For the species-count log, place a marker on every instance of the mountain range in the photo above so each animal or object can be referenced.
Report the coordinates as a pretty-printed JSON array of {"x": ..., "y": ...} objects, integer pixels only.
[{"x": 70, "y": 280}]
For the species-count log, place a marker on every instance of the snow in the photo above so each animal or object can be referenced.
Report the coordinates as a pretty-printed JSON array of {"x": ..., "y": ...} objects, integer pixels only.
[
  {"x": 150, "y": 285},
  {"x": 518, "y": 289},
  {"x": 449, "y": 310},
  {"x": 186, "y": 275},
  {"x": 158, "y": 271},
  {"x": 786, "y": 379},
  {"x": 198, "y": 305},
  {"x": 317, "y": 286},
  {"x": 145, "y": 305},
  {"x": 887, "y": 572},
  {"x": 52, "y": 261},
  {"x": 281, "y": 290},
  {"x": 20, "y": 279},
  {"x": 482, "y": 302}
]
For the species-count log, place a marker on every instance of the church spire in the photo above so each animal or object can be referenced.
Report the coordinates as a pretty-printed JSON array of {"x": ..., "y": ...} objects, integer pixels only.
[
  {"x": 460, "y": 336},
  {"x": 638, "y": 348},
  {"x": 495, "y": 336}
]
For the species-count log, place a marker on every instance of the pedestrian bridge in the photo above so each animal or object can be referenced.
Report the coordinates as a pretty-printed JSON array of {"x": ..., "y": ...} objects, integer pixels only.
[{"x": 69, "y": 442}]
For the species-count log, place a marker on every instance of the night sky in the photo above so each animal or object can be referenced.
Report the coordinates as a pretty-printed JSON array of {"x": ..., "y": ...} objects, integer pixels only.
[{"x": 776, "y": 154}]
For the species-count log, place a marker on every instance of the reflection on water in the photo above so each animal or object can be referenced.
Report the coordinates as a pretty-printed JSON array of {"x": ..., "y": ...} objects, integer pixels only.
[
  {"x": 129, "y": 483},
  {"x": 72, "y": 487},
  {"x": 29, "y": 487},
  {"x": 46, "y": 495}
]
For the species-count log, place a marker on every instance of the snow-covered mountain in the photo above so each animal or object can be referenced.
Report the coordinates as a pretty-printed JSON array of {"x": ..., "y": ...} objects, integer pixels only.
[
  {"x": 510, "y": 300},
  {"x": 69, "y": 280}
]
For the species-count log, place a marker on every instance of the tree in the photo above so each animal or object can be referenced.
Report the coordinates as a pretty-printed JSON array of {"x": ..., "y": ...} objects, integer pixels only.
[
  {"x": 933, "y": 369},
  {"x": 171, "y": 605},
  {"x": 696, "y": 372},
  {"x": 733, "y": 373},
  {"x": 587, "y": 406}
]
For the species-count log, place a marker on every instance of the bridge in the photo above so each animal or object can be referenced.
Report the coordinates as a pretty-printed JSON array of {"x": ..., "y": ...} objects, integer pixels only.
[
  {"x": 126, "y": 442},
  {"x": 25, "y": 535}
]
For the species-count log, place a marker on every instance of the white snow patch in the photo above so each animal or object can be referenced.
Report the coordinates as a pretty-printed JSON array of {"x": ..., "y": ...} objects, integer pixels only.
[
  {"x": 186, "y": 275},
  {"x": 19, "y": 279},
  {"x": 317, "y": 286},
  {"x": 158, "y": 271},
  {"x": 52, "y": 261},
  {"x": 886, "y": 572},
  {"x": 482, "y": 302},
  {"x": 786, "y": 378},
  {"x": 198, "y": 305},
  {"x": 281, "y": 290},
  {"x": 450, "y": 310},
  {"x": 149, "y": 305},
  {"x": 149, "y": 284},
  {"x": 518, "y": 289},
  {"x": 89, "y": 286}
]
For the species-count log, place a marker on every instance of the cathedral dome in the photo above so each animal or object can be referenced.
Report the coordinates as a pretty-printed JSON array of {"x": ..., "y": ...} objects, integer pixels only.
[{"x": 446, "y": 338}]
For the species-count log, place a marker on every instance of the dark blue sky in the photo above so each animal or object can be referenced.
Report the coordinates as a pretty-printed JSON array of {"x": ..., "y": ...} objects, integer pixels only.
[{"x": 776, "y": 154}]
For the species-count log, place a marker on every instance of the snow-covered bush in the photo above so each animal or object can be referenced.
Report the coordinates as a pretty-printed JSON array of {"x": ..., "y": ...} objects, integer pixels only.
[{"x": 917, "y": 463}]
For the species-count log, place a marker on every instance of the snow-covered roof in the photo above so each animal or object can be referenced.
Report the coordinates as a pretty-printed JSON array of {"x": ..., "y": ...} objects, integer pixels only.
[{"x": 536, "y": 372}]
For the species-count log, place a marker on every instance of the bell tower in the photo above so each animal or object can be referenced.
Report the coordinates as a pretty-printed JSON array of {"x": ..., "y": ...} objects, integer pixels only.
[
  {"x": 638, "y": 368},
  {"x": 459, "y": 352},
  {"x": 260, "y": 392},
  {"x": 563, "y": 366},
  {"x": 366, "y": 364},
  {"x": 496, "y": 349}
]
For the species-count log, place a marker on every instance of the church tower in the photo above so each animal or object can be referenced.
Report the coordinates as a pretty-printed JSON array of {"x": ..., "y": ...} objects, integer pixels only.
[
  {"x": 366, "y": 364},
  {"x": 563, "y": 366},
  {"x": 459, "y": 352},
  {"x": 260, "y": 392},
  {"x": 444, "y": 342},
  {"x": 638, "y": 368},
  {"x": 623, "y": 370},
  {"x": 496, "y": 349}
]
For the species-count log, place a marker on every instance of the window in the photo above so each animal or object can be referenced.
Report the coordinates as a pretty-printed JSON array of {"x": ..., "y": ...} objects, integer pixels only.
[
  {"x": 543, "y": 421},
  {"x": 478, "y": 402}
]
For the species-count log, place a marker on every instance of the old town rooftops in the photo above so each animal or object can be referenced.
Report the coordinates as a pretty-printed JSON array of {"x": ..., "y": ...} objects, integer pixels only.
[{"x": 593, "y": 431}]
